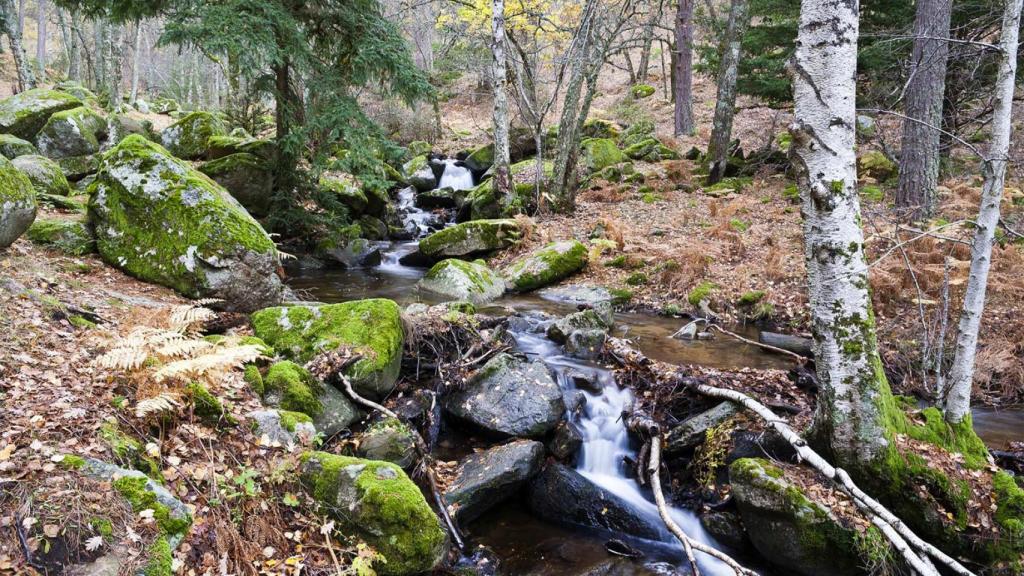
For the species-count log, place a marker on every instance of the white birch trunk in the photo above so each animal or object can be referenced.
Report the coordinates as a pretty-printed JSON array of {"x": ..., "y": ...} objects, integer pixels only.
[
  {"x": 502, "y": 177},
  {"x": 848, "y": 417},
  {"x": 12, "y": 16},
  {"x": 957, "y": 402}
]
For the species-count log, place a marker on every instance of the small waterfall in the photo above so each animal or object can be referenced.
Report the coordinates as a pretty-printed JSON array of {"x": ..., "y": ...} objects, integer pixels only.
[
  {"x": 455, "y": 177},
  {"x": 411, "y": 214}
]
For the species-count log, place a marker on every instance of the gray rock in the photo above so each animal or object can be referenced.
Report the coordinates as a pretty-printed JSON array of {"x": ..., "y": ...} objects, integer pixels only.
[
  {"x": 249, "y": 179},
  {"x": 727, "y": 528},
  {"x": 471, "y": 238},
  {"x": 17, "y": 203},
  {"x": 24, "y": 114},
  {"x": 585, "y": 344},
  {"x": 561, "y": 494},
  {"x": 357, "y": 253},
  {"x": 338, "y": 412},
  {"x": 546, "y": 265},
  {"x": 461, "y": 280},
  {"x": 487, "y": 478},
  {"x": 581, "y": 294},
  {"x": 74, "y": 132},
  {"x": 11, "y": 146},
  {"x": 423, "y": 179},
  {"x": 389, "y": 440},
  {"x": 566, "y": 444},
  {"x": 509, "y": 397},
  {"x": 268, "y": 423},
  {"x": 560, "y": 330},
  {"x": 691, "y": 433},
  {"x": 45, "y": 174},
  {"x": 441, "y": 198}
]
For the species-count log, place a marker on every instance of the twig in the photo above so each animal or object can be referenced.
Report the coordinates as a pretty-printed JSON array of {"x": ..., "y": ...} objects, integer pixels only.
[
  {"x": 425, "y": 458},
  {"x": 760, "y": 344}
]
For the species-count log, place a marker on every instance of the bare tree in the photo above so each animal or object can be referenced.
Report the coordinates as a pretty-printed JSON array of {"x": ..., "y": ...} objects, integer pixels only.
[
  {"x": 41, "y": 39},
  {"x": 502, "y": 176},
  {"x": 919, "y": 155},
  {"x": 136, "y": 63},
  {"x": 848, "y": 416},
  {"x": 683, "y": 69},
  {"x": 725, "y": 105},
  {"x": 957, "y": 398},
  {"x": 647, "y": 38},
  {"x": 11, "y": 19}
]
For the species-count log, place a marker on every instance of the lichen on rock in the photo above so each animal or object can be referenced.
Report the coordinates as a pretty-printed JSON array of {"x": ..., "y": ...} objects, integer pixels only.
[
  {"x": 45, "y": 174},
  {"x": 71, "y": 236},
  {"x": 11, "y": 146},
  {"x": 74, "y": 132},
  {"x": 462, "y": 280},
  {"x": 17, "y": 203},
  {"x": 24, "y": 114},
  {"x": 189, "y": 137}
]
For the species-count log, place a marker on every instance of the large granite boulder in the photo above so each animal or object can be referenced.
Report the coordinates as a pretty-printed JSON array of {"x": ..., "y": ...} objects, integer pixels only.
[
  {"x": 24, "y": 114},
  {"x": 509, "y": 397},
  {"x": 462, "y": 280},
  {"x": 220, "y": 145},
  {"x": 547, "y": 265},
  {"x": 189, "y": 137},
  {"x": 11, "y": 146},
  {"x": 563, "y": 495},
  {"x": 248, "y": 178},
  {"x": 74, "y": 132},
  {"x": 45, "y": 174},
  {"x": 487, "y": 478},
  {"x": 470, "y": 239},
  {"x": 372, "y": 328},
  {"x": 164, "y": 222},
  {"x": 377, "y": 502},
  {"x": 17, "y": 203},
  {"x": 346, "y": 189}
]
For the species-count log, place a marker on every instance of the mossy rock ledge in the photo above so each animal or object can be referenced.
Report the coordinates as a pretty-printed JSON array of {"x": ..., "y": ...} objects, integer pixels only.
[
  {"x": 378, "y": 502},
  {"x": 371, "y": 327},
  {"x": 24, "y": 114},
  {"x": 547, "y": 265},
  {"x": 793, "y": 531},
  {"x": 470, "y": 239},
  {"x": 17, "y": 203},
  {"x": 189, "y": 137},
  {"x": 162, "y": 221},
  {"x": 462, "y": 280}
]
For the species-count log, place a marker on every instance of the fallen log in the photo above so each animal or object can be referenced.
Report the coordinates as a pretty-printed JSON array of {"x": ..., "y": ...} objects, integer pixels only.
[
  {"x": 917, "y": 553},
  {"x": 794, "y": 344}
]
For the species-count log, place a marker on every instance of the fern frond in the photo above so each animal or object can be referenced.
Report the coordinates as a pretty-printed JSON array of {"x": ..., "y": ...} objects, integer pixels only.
[
  {"x": 220, "y": 359},
  {"x": 163, "y": 402},
  {"x": 127, "y": 358},
  {"x": 186, "y": 315},
  {"x": 179, "y": 348}
]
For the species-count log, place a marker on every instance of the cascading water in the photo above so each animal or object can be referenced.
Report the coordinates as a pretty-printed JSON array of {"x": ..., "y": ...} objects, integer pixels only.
[
  {"x": 455, "y": 176},
  {"x": 606, "y": 440}
]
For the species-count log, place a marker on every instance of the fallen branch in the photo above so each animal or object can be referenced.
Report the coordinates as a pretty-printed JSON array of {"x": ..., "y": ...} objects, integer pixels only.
[
  {"x": 914, "y": 550},
  {"x": 798, "y": 357}
]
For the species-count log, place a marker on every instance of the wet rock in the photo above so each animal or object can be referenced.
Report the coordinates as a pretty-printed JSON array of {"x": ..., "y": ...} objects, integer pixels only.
[
  {"x": 17, "y": 203},
  {"x": 586, "y": 380},
  {"x": 585, "y": 344},
  {"x": 560, "y": 494},
  {"x": 45, "y": 174},
  {"x": 283, "y": 427},
  {"x": 509, "y": 397},
  {"x": 727, "y": 528},
  {"x": 162, "y": 221},
  {"x": 416, "y": 259},
  {"x": 379, "y": 503},
  {"x": 692, "y": 431},
  {"x": 422, "y": 410},
  {"x": 462, "y": 280},
  {"x": 481, "y": 562},
  {"x": 560, "y": 330},
  {"x": 248, "y": 178},
  {"x": 373, "y": 228},
  {"x": 579, "y": 294},
  {"x": 788, "y": 528},
  {"x": 371, "y": 327},
  {"x": 441, "y": 198},
  {"x": 566, "y": 444},
  {"x": 389, "y": 440},
  {"x": 356, "y": 253},
  {"x": 24, "y": 114},
  {"x": 423, "y": 179},
  {"x": 470, "y": 238},
  {"x": 487, "y": 478},
  {"x": 547, "y": 265}
]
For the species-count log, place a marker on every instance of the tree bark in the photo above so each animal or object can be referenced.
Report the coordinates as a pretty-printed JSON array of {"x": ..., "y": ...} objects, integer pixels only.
[
  {"x": 136, "y": 63},
  {"x": 648, "y": 39},
  {"x": 26, "y": 79},
  {"x": 41, "y": 40},
  {"x": 502, "y": 176},
  {"x": 725, "y": 105},
  {"x": 112, "y": 54},
  {"x": 848, "y": 419},
  {"x": 683, "y": 69},
  {"x": 919, "y": 155},
  {"x": 957, "y": 403}
]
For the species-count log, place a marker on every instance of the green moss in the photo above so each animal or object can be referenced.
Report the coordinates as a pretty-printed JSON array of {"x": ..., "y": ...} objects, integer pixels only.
[
  {"x": 11, "y": 146},
  {"x": 102, "y": 526},
  {"x": 206, "y": 405},
  {"x": 265, "y": 348},
  {"x": 482, "y": 157},
  {"x": 549, "y": 264},
  {"x": 598, "y": 128},
  {"x": 372, "y": 327},
  {"x": 298, "y": 390},
  {"x": 72, "y": 462},
  {"x": 15, "y": 187},
  {"x": 620, "y": 296},
  {"x": 640, "y": 91},
  {"x": 128, "y": 451},
  {"x": 72, "y": 237},
  {"x": 872, "y": 193},
  {"x": 254, "y": 379},
  {"x": 637, "y": 279},
  {"x": 391, "y": 514},
  {"x": 189, "y": 137},
  {"x": 74, "y": 132},
  {"x": 792, "y": 193},
  {"x": 469, "y": 238},
  {"x": 736, "y": 184},
  {"x": 161, "y": 559},
  {"x": 751, "y": 298},
  {"x": 45, "y": 174},
  {"x": 24, "y": 114},
  {"x": 600, "y": 153},
  {"x": 290, "y": 419},
  {"x": 616, "y": 262},
  {"x": 700, "y": 293},
  {"x": 876, "y": 165},
  {"x": 133, "y": 489}
]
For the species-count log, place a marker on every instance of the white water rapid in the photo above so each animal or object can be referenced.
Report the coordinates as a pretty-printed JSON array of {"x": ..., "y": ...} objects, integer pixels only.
[{"x": 455, "y": 177}]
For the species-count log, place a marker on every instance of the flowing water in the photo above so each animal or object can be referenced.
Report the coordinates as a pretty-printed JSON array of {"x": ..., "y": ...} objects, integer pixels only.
[{"x": 525, "y": 545}]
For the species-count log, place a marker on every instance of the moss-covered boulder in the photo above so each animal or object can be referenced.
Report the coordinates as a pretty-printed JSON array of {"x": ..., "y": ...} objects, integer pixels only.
[
  {"x": 650, "y": 150},
  {"x": 390, "y": 440},
  {"x": 599, "y": 153},
  {"x": 372, "y": 328},
  {"x": 76, "y": 90},
  {"x": 481, "y": 159},
  {"x": 17, "y": 203},
  {"x": 121, "y": 126},
  {"x": 74, "y": 132},
  {"x": 189, "y": 137},
  {"x": 164, "y": 222},
  {"x": 598, "y": 128},
  {"x": 220, "y": 145},
  {"x": 509, "y": 397},
  {"x": 293, "y": 389},
  {"x": 11, "y": 146},
  {"x": 641, "y": 91},
  {"x": 76, "y": 168},
  {"x": 45, "y": 174},
  {"x": 346, "y": 189},
  {"x": 70, "y": 236},
  {"x": 483, "y": 201},
  {"x": 793, "y": 531},
  {"x": 547, "y": 265},
  {"x": 419, "y": 148},
  {"x": 248, "y": 178},
  {"x": 24, "y": 114},
  {"x": 875, "y": 164},
  {"x": 379, "y": 503},
  {"x": 470, "y": 239},
  {"x": 461, "y": 280}
]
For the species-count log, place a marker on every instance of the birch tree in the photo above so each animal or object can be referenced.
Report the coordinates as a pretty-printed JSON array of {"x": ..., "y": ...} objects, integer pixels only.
[
  {"x": 823, "y": 69},
  {"x": 136, "y": 63},
  {"x": 919, "y": 155},
  {"x": 502, "y": 177},
  {"x": 683, "y": 69},
  {"x": 957, "y": 398},
  {"x": 725, "y": 104}
]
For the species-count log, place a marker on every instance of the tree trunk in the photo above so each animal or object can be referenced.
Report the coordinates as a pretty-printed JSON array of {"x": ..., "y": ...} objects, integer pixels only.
[
  {"x": 957, "y": 403},
  {"x": 75, "y": 49},
  {"x": 99, "y": 45},
  {"x": 848, "y": 419},
  {"x": 683, "y": 69},
  {"x": 502, "y": 176},
  {"x": 919, "y": 156},
  {"x": 26, "y": 79},
  {"x": 725, "y": 106},
  {"x": 648, "y": 39},
  {"x": 112, "y": 54},
  {"x": 136, "y": 62},
  {"x": 41, "y": 40}
]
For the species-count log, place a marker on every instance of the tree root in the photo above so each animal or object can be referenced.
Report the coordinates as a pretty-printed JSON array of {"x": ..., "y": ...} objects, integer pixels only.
[{"x": 916, "y": 552}]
